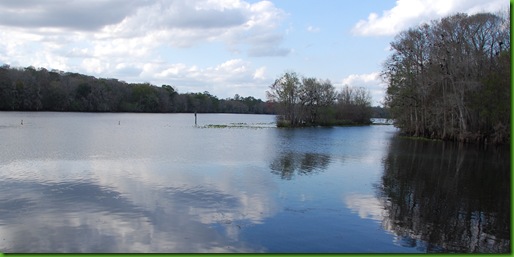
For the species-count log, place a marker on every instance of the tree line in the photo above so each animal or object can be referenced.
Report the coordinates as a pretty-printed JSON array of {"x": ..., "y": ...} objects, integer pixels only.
[
  {"x": 31, "y": 89},
  {"x": 451, "y": 79},
  {"x": 305, "y": 101}
]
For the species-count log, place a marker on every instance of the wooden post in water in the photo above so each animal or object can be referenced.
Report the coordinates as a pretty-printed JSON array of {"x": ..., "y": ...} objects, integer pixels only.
[
  {"x": 195, "y": 119},
  {"x": 21, "y": 122}
]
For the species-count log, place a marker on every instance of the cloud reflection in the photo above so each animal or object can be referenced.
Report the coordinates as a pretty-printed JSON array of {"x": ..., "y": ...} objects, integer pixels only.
[
  {"x": 124, "y": 207},
  {"x": 366, "y": 206}
]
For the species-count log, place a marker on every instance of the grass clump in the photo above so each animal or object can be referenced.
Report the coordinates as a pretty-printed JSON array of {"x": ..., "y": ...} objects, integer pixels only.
[{"x": 238, "y": 125}]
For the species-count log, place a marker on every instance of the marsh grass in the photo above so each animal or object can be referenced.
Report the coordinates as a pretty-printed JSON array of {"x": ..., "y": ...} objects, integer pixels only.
[{"x": 240, "y": 125}]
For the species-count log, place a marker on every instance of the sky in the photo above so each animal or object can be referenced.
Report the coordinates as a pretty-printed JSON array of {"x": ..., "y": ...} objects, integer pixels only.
[{"x": 225, "y": 47}]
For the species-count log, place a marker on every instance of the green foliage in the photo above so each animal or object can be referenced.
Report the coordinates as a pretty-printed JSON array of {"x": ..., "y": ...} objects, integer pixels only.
[
  {"x": 31, "y": 89},
  {"x": 380, "y": 112},
  {"x": 315, "y": 102},
  {"x": 450, "y": 79}
]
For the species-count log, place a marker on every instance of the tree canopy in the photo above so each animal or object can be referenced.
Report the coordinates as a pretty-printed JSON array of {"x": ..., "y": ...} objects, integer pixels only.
[
  {"x": 31, "y": 89},
  {"x": 450, "y": 79},
  {"x": 310, "y": 102}
]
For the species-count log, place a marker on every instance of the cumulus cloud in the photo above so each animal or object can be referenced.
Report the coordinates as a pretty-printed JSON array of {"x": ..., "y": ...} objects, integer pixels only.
[
  {"x": 408, "y": 13},
  {"x": 128, "y": 39},
  {"x": 131, "y": 28},
  {"x": 188, "y": 23},
  {"x": 78, "y": 15},
  {"x": 370, "y": 81},
  {"x": 223, "y": 79}
]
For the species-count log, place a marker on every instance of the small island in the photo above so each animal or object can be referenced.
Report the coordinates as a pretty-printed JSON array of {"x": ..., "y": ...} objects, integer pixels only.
[{"x": 313, "y": 102}]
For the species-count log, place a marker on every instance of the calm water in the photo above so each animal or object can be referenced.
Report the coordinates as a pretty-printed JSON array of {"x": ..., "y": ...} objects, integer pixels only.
[{"x": 80, "y": 182}]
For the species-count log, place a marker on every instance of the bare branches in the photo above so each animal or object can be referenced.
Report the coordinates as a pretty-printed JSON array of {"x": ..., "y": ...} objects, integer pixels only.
[
  {"x": 436, "y": 72},
  {"x": 311, "y": 101}
]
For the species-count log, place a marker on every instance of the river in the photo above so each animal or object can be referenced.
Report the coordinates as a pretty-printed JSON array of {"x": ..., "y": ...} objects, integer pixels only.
[{"x": 127, "y": 182}]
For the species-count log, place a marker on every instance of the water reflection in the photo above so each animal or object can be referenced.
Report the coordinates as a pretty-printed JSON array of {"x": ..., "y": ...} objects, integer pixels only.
[
  {"x": 83, "y": 183},
  {"x": 127, "y": 208},
  {"x": 366, "y": 206},
  {"x": 289, "y": 164},
  {"x": 454, "y": 197}
]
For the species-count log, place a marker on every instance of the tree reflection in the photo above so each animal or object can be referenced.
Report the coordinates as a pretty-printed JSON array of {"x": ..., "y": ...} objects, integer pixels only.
[
  {"x": 455, "y": 197},
  {"x": 288, "y": 164}
]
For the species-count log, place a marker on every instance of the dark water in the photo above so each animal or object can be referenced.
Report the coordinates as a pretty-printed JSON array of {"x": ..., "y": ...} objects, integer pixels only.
[{"x": 79, "y": 182}]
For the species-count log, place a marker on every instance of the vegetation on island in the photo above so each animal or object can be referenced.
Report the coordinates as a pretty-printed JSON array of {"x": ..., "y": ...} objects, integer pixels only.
[
  {"x": 31, "y": 89},
  {"x": 451, "y": 79},
  {"x": 304, "y": 101}
]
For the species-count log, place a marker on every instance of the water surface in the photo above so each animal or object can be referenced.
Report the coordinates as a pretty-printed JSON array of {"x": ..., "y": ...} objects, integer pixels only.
[{"x": 89, "y": 182}]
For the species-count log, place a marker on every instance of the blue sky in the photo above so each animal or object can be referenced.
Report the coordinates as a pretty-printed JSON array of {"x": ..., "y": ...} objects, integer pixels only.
[{"x": 226, "y": 47}]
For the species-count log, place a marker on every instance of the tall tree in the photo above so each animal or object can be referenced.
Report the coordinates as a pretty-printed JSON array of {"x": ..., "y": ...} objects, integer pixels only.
[
  {"x": 442, "y": 75},
  {"x": 285, "y": 91}
]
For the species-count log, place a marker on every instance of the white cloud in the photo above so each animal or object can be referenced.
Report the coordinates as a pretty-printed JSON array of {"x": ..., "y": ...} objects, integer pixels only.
[
  {"x": 131, "y": 43},
  {"x": 76, "y": 15},
  {"x": 370, "y": 81},
  {"x": 189, "y": 23},
  {"x": 408, "y": 13},
  {"x": 241, "y": 26},
  {"x": 358, "y": 78},
  {"x": 312, "y": 29},
  {"x": 260, "y": 73},
  {"x": 94, "y": 65},
  {"x": 223, "y": 80}
]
